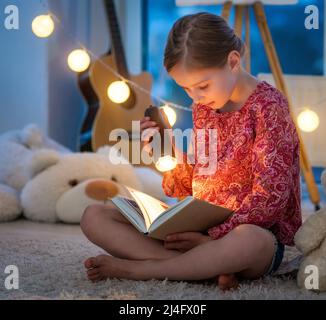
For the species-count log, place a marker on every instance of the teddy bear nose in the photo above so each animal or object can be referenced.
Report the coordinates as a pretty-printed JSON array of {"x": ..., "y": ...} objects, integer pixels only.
[{"x": 101, "y": 189}]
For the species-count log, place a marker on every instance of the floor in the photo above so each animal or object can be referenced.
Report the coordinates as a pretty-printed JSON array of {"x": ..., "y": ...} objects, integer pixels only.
[{"x": 50, "y": 259}]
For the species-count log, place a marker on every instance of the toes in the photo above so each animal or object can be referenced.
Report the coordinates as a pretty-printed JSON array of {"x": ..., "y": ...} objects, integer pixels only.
[
  {"x": 95, "y": 261},
  {"x": 95, "y": 278},
  {"x": 102, "y": 259},
  {"x": 93, "y": 272},
  {"x": 90, "y": 263},
  {"x": 95, "y": 275},
  {"x": 227, "y": 282},
  {"x": 99, "y": 268},
  {"x": 224, "y": 279}
]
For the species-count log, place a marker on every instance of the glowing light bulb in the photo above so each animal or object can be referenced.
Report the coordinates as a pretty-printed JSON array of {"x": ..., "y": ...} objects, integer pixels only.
[
  {"x": 308, "y": 120},
  {"x": 118, "y": 91},
  {"x": 79, "y": 60},
  {"x": 43, "y": 26},
  {"x": 166, "y": 163},
  {"x": 171, "y": 115}
]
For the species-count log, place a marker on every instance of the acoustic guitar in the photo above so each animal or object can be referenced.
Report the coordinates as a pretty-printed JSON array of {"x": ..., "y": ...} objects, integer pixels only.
[
  {"x": 110, "y": 115},
  {"x": 85, "y": 86}
]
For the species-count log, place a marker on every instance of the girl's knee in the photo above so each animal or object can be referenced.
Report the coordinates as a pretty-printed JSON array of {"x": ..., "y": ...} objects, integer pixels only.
[
  {"x": 259, "y": 238},
  {"x": 260, "y": 248},
  {"x": 91, "y": 216}
]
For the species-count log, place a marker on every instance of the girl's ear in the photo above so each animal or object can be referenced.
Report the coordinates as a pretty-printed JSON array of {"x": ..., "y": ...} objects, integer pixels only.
[{"x": 234, "y": 60}]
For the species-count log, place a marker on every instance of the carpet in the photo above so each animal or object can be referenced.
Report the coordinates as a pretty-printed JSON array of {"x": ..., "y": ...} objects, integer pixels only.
[{"x": 50, "y": 260}]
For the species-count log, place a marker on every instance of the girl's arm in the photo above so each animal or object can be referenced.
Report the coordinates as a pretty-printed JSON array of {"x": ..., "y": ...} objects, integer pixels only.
[
  {"x": 275, "y": 168},
  {"x": 178, "y": 182}
]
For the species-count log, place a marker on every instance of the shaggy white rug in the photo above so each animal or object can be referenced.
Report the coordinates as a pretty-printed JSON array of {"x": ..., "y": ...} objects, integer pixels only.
[{"x": 50, "y": 261}]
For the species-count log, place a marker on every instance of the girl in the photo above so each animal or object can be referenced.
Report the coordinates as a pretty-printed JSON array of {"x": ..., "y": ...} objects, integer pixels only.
[{"x": 257, "y": 173}]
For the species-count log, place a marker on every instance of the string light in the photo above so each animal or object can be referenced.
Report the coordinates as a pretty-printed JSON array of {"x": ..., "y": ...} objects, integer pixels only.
[
  {"x": 166, "y": 163},
  {"x": 79, "y": 60},
  {"x": 118, "y": 91},
  {"x": 171, "y": 115},
  {"x": 308, "y": 120},
  {"x": 43, "y": 26},
  {"x": 112, "y": 70}
]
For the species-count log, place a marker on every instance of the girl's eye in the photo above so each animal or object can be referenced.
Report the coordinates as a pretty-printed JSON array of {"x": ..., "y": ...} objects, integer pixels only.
[
  {"x": 204, "y": 87},
  {"x": 73, "y": 182}
]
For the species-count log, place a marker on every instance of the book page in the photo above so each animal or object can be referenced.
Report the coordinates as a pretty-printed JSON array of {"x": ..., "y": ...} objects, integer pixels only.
[
  {"x": 191, "y": 215},
  {"x": 130, "y": 209},
  {"x": 134, "y": 204},
  {"x": 171, "y": 211},
  {"x": 150, "y": 207}
]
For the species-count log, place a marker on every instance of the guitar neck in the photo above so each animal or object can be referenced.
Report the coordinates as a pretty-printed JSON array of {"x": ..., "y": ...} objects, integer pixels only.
[{"x": 116, "y": 41}]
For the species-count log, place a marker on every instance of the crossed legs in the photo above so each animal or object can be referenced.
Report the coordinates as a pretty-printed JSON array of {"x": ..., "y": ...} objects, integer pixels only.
[{"x": 246, "y": 251}]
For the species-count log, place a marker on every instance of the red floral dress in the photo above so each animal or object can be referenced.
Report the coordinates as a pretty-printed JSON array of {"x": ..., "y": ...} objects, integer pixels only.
[{"x": 257, "y": 173}]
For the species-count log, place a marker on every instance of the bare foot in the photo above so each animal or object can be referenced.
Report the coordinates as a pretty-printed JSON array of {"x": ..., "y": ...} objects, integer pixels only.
[
  {"x": 104, "y": 266},
  {"x": 227, "y": 281}
]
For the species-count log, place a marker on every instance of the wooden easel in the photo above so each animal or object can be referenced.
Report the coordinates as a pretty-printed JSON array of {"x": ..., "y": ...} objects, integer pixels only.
[{"x": 243, "y": 11}]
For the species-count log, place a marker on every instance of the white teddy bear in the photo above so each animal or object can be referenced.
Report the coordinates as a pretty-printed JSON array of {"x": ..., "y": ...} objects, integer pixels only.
[
  {"x": 17, "y": 146},
  {"x": 62, "y": 186},
  {"x": 311, "y": 241}
]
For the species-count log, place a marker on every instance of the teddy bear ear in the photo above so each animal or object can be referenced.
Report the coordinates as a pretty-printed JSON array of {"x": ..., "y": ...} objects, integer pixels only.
[
  {"x": 40, "y": 161},
  {"x": 32, "y": 136},
  {"x": 105, "y": 150}
]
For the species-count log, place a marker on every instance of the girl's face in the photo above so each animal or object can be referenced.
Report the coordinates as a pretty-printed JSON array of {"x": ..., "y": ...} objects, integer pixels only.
[{"x": 211, "y": 86}]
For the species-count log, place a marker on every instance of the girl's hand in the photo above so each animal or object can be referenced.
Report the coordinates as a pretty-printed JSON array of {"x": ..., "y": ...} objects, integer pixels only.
[
  {"x": 148, "y": 129},
  {"x": 184, "y": 241}
]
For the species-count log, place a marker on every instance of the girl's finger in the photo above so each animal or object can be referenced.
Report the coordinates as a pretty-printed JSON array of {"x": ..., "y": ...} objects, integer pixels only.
[
  {"x": 146, "y": 126},
  {"x": 145, "y": 119},
  {"x": 147, "y": 148},
  {"x": 148, "y": 133},
  {"x": 147, "y": 122}
]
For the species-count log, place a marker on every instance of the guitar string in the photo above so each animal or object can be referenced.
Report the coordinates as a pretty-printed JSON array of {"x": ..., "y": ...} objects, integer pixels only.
[{"x": 108, "y": 67}]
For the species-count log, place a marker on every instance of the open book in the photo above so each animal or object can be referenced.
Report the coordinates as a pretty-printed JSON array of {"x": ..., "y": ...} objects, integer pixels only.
[{"x": 157, "y": 219}]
